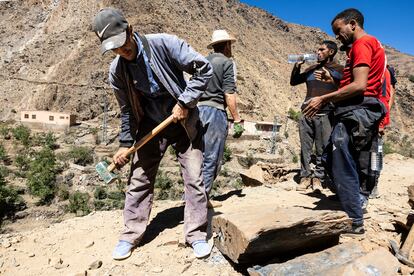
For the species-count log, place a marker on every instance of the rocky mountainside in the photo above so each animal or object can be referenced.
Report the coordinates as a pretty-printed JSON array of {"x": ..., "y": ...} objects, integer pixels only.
[{"x": 50, "y": 60}]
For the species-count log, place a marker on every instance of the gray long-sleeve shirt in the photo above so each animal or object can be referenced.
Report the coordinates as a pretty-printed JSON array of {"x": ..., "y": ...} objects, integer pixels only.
[
  {"x": 169, "y": 58},
  {"x": 222, "y": 82}
]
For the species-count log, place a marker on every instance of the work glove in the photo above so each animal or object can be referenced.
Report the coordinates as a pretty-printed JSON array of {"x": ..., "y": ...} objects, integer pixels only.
[{"x": 237, "y": 129}]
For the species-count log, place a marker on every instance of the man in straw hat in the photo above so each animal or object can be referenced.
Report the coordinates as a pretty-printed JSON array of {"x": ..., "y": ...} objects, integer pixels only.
[
  {"x": 147, "y": 78},
  {"x": 221, "y": 93}
]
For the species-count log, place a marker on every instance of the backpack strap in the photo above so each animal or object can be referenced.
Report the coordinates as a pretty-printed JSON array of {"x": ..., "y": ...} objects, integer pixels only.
[{"x": 146, "y": 46}]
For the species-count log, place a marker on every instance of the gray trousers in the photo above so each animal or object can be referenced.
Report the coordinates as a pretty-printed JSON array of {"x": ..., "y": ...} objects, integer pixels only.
[
  {"x": 140, "y": 194},
  {"x": 316, "y": 130}
]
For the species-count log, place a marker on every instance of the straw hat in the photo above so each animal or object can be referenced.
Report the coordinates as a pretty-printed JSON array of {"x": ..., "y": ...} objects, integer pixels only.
[{"x": 220, "y": 36}]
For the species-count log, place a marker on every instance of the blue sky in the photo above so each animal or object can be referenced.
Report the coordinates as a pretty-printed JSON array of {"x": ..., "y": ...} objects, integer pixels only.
[{"x": 391, "y": 22}]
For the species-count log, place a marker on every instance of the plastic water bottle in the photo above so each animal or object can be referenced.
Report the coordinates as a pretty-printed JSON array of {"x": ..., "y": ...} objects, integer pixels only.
[
  {"x": 376, "y": 157},
  {"x": 302, "y": 57}
]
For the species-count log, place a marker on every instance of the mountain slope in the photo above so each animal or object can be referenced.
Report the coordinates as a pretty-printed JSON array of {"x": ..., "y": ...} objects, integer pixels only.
[{"x": 51, "y": 60}]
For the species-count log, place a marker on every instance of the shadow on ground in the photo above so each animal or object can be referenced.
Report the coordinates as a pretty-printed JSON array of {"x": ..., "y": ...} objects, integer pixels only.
[{"x": 166, "y": 219}]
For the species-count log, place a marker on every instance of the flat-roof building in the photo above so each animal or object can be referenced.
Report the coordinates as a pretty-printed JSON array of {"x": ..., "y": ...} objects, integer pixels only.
[{"x": 47, "y": 119}]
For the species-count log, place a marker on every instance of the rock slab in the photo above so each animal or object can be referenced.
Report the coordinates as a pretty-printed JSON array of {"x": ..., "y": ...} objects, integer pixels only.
[
  {"x": 345, "y": 259},
  {"x": 265, "y": 230},
  {"x": 253, "y": 176}
]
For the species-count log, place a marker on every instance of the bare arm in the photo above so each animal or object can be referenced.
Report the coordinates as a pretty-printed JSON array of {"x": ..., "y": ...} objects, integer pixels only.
[
  {"x": 231, "y": 101},
  {"x": 356, "y": 87}
]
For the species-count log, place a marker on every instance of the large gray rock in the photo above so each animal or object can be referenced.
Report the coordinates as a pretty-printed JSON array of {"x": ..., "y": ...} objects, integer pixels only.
[
  {"x": 249, "y": 234},
  {"x": 344, "y": 259}
]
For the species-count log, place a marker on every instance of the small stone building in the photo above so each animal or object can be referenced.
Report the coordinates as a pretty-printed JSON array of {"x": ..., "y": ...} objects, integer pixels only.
[
  {"x": 262, "y": 129},
  {"x": 47, "y": 119}
]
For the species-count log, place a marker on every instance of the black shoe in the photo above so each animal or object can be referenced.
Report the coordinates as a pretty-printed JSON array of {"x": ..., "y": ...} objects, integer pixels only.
[
  {"x": 333, "y": 197},
  {"x": 356, "y": 230}
]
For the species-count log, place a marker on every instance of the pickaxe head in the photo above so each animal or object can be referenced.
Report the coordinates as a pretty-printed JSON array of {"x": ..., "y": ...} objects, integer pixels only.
[
  {"x": 403, "y": 258},
  {"x": 104, "y": 171}
]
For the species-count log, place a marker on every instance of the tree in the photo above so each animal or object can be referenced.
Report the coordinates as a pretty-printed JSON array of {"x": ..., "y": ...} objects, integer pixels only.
[
  {"x": 10, "y": 201},
  {"x": 41, "y": 175},
  {"x": 22, "y": 134}
]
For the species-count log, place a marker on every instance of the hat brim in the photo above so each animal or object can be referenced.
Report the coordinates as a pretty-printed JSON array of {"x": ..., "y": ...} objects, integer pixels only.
[
  {"x": 113, "y": 42},
  {"x": 232, "y": 39}
]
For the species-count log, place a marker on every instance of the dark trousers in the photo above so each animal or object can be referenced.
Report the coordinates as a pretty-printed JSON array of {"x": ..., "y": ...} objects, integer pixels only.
[
  {"x": 313, "y": 131},
  {"x": 347, "y": 154},
  {"x": 344, "y": 173},
  {"x": 139, "y": 197}
]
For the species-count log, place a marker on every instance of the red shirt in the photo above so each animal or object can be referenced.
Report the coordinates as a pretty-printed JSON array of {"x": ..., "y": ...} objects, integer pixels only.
[{"x": 366, "y": 50}]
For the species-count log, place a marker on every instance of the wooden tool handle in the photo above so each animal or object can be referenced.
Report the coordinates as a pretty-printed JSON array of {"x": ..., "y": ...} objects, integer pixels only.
[
  {"x": 408, "y": 244},
  {"x": 144, "y": 140}
]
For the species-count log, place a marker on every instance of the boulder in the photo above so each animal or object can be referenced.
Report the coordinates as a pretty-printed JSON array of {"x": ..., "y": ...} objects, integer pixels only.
[
  {"x": 253, "y": 176},
  {"x": 345, "y": 259},
  {"x": 265, "y": 231}
]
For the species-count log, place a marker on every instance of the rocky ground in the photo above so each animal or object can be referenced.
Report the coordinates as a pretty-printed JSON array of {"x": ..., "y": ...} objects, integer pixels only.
[
  {"x": 83, "y": 245},
  {"x": 50, "y": 61}
]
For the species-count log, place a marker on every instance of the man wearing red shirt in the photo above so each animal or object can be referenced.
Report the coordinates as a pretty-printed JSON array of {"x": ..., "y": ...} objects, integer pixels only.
[{"x": 357, "y": 114}]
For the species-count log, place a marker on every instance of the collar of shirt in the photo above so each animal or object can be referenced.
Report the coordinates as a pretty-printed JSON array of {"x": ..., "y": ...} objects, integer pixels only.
[{"x": 154, "y": 87}]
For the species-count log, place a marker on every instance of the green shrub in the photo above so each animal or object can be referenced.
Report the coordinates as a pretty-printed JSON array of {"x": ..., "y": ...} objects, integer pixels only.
[
  {"x": 387, "y": 148},
  {"x": 63, "y": 193},
  {"x": 406, "y": 147},
  {"x": 227, "y": 154},
  {"x": 45, "y": 140},
  {"x": 116, "y": 195},
  {"x": 10, "y": 201},
  {"x": 411, "y": 78},
  {"x": 22, "y": 161},
  {"x": 42, "y": 174},
  {"x": 286, "y": 134},
  {"x": 162, "y": 185},
  {"x": 79, "y": 203},
  {"x": 4, "y": 131},
  {"x": 118, "y": 204},
  {"x": 295, "y": 158},
  {"x": 105, "y": 200},
  {"x": 217, "y": 186},
  {"x": 3, "y": 153},
  {"x": 237, "y": 184},
  {"x": 102, "y": 205},
  {"x": 108, "y": 204},
  {"x": 94, "y": 130},
  {"x": 100, "y": 193},
  {"x": 22, "y": 134},
  {"x": 81, "y": 155},
  {"x": 4, "y": 171},
  {"x": 224, "y": 172},
  {"x": 294, "y": 115},
  {"x": 50, "y": 140},
  {"x": 167, "y": 188}
]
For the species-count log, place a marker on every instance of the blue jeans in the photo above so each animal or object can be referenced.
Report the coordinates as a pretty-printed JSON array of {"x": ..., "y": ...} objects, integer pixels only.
[
  {"x": 214, "y": 123},
  {"x": 345, "y": 173}
]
